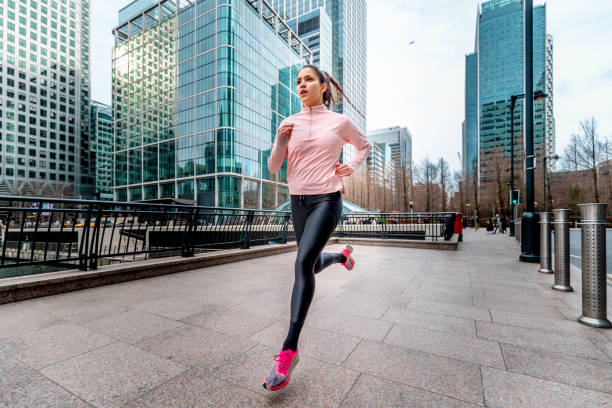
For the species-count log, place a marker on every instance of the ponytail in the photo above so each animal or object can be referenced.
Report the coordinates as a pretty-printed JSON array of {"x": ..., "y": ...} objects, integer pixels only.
[{"x": 334, "y": 91}]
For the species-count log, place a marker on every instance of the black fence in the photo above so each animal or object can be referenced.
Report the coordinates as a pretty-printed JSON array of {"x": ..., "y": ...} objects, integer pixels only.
[{"x": 86, "y": 234}]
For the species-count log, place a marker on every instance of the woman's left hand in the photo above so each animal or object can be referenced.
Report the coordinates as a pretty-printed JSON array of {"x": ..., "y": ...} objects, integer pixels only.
[{"x": 343, "y": 170}]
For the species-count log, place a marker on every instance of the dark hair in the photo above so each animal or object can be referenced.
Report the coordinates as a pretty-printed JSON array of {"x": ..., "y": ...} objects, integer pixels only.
[{"x": 334, "y": 91}]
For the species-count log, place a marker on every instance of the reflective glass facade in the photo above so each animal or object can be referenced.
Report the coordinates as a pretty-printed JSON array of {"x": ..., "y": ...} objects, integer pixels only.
[
  {"x": 44, "y": 98},
  {"x": 470, "y": 145},
  {"x": 348, "y": 45},
  {"x": 102, "y": 149},
  {"x": 399, "y": 139},
  {"x": 499, "y": 57},
  {"x": 198, "y": 91}
]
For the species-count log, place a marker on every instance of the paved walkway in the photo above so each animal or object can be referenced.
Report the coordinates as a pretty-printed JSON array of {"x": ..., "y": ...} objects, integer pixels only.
[{"x": 407, "y": 328}]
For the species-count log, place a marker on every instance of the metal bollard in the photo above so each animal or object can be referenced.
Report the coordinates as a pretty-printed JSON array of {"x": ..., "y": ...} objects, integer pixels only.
[
  {"x": 562, "y": 261},
  {"x": 545, "y": 257},
  {"x": 593, "y": 227}
]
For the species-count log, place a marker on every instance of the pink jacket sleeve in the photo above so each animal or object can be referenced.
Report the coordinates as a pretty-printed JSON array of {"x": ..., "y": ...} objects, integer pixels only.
[
  {"x": 278, "y": 154},
  {"x": 353, "y": 136}
]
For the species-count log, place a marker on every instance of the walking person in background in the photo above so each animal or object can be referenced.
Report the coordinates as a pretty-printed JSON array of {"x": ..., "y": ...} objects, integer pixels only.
[{"x": 312, "y": 141}]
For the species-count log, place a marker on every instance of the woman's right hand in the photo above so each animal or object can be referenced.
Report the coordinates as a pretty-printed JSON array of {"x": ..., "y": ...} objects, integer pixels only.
[{"x": 284, "y": 131}]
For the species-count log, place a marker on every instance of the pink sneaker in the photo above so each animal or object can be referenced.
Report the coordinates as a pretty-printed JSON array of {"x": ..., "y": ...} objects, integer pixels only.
[
  {"x": 280, "y": 375},
  {"x": 350, "y": 262}
]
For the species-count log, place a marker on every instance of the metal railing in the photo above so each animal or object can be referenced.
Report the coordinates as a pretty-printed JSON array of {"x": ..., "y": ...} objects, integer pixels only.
[{"x": 85, "y": 234}]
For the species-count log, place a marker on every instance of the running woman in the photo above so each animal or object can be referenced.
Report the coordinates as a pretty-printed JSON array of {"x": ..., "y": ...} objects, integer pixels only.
[{"x": 312, "y": 141}]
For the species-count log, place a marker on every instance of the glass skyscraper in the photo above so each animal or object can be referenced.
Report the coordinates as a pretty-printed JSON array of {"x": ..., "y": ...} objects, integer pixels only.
[
  {"x": 495, "y": 72},
  {"x": 102, "y": 149},
  {"x": 44, "y": 98},
  {"x": 348, "y": 47},
  {"x": 199, "y": 88},
  {"x": 399, "y": 140}
]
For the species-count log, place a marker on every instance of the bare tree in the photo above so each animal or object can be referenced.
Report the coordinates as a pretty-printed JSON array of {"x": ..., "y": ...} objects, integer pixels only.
[
  {"x": 427, "y": 172},
  {"x": 444, "y": 174},
  {"x": 588, "y": 149}
]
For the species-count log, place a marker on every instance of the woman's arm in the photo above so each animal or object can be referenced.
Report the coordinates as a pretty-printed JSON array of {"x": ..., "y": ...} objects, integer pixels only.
[
  {"x": 356, "y": 138},
  {"x": 279, "y": 150}
]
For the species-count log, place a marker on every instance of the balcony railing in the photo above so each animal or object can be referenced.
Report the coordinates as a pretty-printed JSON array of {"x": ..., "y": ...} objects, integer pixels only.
[{"x": 85, "y": 234}]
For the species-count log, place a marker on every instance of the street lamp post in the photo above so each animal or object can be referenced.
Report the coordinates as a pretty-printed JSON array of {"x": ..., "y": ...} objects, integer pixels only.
[{"x": 554, "y": 157}]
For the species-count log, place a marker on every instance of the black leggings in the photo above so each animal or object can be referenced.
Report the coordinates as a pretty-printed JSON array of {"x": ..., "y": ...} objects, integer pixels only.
[{"x": 314, "y": 220}]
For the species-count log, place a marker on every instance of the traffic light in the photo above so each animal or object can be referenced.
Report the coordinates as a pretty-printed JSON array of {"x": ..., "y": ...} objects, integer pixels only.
[{"x": 515, "y": 197}]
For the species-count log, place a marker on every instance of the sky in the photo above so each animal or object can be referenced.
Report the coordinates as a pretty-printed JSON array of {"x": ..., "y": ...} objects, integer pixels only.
[{"x": 421, "y": 86}]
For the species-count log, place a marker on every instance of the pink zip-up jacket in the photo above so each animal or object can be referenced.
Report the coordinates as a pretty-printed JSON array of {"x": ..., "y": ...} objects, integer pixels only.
[{"x": 314, "y": 149}]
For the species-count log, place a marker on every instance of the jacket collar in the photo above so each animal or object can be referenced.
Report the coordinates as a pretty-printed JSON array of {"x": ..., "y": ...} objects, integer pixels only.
[{"x": 317, "y": 108}]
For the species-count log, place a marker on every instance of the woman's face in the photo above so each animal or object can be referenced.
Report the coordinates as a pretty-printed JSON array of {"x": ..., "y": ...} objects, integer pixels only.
[{"x": 309, "y": 88}]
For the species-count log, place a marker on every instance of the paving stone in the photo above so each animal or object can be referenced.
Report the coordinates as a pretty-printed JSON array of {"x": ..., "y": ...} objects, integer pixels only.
[
  {"x": 80, "y": 307},
  {"x": 267, "y": 307},
  {"x": 434, "y": 321},
  {"x": 542, "y": 339},
  {"x": 56, "y": 343},
  {"x": 170, "y": 307},
  {"x": 377, "y": 285},
  {"x": 468, "y": 312},
  {"x": 446, "y": 344},
  {"x": 504, "y": 389},
  {"x": 375, "y": 298},
  {"x": 132, "y": 326},
  {"x": 370, "y": 310},
  {"x": 446, "y": 287},
  {"x": 195, "y": 389},
  {"x": 112, "y": 375},
  {"x": 374, "y": 392},
  {"x": 228, "y": 321},
  {"x": 582, "y": 372},
  {"x": 313, "y": 382},
  {"x": 17, "y": 319},
  {"x": 357, "y": 326},
  {"x": 194, "y": 346},
  {"x": 563, "y": 326},
  {"x": 422, "y": 294},
  {"x": 519, "y": 307},
  {"x": 525, "y": 296},
  {"x": 321, "y": 344},
  {"x": 453, "y": 378},
  {"x": 429, "y": 280}
]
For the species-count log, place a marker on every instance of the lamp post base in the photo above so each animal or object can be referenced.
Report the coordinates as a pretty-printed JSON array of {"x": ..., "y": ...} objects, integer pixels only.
[
  {"x": 563, "y": 288},
  {"x": 530, "y": 258},
  {"x": 545, "y": 270}
]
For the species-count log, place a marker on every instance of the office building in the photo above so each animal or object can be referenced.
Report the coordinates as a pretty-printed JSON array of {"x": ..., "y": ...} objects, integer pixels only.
[
  {"x": 102, "y": 149},
  {"x": 199, "y": 88},
  {"x": 44, "y": 98}
]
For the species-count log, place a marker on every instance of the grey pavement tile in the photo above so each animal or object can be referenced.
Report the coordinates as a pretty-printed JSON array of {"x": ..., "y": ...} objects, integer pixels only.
[
  {"x": 523, "y": 296},
  {"x": 605, "y": 346},
  {"x": 375, "y": 298},
  {"x": 465, "y": 300},
  {"x": 558, "y": 325},
  {"x": 320, "y": 344},
  {"x": 356, "y": 326},
  {"x": 578, "y": 371},
  {"x": 53, "y": 344},
  {"x": 81, "y": 306},
  {"x": 442, "y": 282},
  {"x": 468, "y": 312},
  {"x": 170, "y": 307},
  {"x": 504, "y": 389},
  {"x": 17, "y": 319},
  {"x": 453, "y": 378},
  {"x": 452, "y": 289},
  {"x": 497, "y": 284},
  {"x": 377, "y": 285},
  {"x": 313, "y": 382},
  {"x": 229, "y": 321},
  {"x": 132, "y": 326},
  {"x": 195, "y": 389},
  {"x": 543, "y": 339},
  {"x": 112, "y": 375},
  {"x": 519, "y": 307},
  {"x": 268, "y": 307},
  {"x": 434, "y": 321},
  {"x": 466, "y": 348},
  {"x": 374, "y": 392},
  {"x": 38, "y": 391},
  {"x": 370, "y": 310},
  {"x": 210, "y": 296},
  {"x": 194, "y": 346}
]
